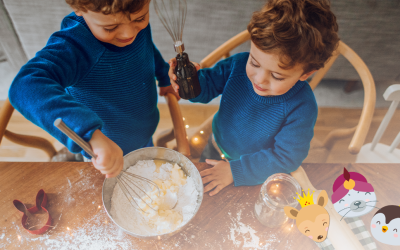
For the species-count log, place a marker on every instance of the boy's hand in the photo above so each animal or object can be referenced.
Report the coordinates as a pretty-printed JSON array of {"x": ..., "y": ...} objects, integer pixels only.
[
  {"x": 109, "y": 159},
  {"x": 218, "y": 176},
  {"x": 171, "y": 74},
  {"x": 169, "y": 89}
]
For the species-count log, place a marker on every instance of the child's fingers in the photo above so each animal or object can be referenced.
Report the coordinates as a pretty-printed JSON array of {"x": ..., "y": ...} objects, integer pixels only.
[
  {"x": 172, "y": 65},
  {"x": 210, "y": 186},
  {"x": 105, "y": 165},
  {"x": 207, "y": 179},
  {"x": 206, "y": 172},
  {"x": 196, "y": 65},
  {"x": 116, "y": 168},
  {"x": 171, "y": 75},
  {"x": 212, "y": 162},
  {"x": 172, "y": 61},
  {"x": 216, "y": 190},
  {"x": 99, "y": 164}
]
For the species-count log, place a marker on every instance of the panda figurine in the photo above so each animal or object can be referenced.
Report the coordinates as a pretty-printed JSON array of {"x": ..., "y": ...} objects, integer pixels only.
[{"x": 385, "y": 225}]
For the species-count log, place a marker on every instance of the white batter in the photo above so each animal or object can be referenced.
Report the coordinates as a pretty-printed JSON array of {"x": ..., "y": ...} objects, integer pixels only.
[{"x": 170, "y": 179}]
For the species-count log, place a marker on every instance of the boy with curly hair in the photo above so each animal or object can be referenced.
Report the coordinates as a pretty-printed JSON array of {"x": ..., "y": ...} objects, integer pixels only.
[
  {"x": 98, "y": 74},
  {"x": 268, "y": 111}
]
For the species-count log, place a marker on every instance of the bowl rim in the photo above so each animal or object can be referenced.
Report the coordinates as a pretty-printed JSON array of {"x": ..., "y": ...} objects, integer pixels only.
[{"x": 164, "y": 235}]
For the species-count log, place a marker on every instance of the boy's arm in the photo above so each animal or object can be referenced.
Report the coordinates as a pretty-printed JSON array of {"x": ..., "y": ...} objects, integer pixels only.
[
  {"x": 161, "y": 68},
  {"x": 213, "y": 80},
  {"x": 290, "y": 149},
  {"x": 38, "y": 91}
]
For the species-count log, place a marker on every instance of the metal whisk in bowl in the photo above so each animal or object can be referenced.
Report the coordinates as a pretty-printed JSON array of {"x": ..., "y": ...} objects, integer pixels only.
[
  {"x": 153, "y": 153},
  {"x": 133, "y": 186}
]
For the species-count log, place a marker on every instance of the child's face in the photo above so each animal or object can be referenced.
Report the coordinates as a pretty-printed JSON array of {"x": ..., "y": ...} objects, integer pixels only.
[
  {"x": 116, "y": 29},
  {"x": 267, "y": 77}
]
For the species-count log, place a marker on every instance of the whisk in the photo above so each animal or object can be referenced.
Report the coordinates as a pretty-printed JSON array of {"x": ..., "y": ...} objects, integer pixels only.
[
  {"x": 132, "y": 185},
  {"x": 172, "y": 14}
]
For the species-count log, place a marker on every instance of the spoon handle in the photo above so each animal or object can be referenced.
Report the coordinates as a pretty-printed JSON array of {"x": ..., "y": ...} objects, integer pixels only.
[{"x": 73, "y": 136}]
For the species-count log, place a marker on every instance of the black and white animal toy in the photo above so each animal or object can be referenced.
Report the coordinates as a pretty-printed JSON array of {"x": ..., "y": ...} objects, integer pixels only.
[{"x": 385, "y": 225}]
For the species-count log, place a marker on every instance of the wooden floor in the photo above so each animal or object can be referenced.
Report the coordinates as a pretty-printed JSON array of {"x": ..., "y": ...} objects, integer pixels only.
[{"x": 328, "y": 119}]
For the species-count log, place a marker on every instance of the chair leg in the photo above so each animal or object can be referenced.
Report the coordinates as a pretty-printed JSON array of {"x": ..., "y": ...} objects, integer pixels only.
[
  {"x": 395, "y": 143},
  {"x": 384, "y": 124},
  {"x": 164, "y": 137}
]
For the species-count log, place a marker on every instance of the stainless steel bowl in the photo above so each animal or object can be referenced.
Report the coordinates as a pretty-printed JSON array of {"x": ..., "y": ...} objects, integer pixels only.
[{"x": 154, "y": 153}]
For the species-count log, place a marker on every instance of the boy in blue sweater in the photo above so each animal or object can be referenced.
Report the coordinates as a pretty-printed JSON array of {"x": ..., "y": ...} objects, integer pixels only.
[
  {"x": 98, "y": 74},
  {"x": 268, "y": 111}
]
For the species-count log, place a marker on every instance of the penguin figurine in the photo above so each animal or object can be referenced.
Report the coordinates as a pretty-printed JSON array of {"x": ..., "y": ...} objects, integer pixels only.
[{"x": 385, "y": 225}]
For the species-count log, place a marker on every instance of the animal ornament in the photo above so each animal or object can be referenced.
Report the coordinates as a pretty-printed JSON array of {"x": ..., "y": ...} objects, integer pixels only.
[
  {"x": 352, "y": 195},
  {"x": 312, "y": 220},
  {"x": 385, "y": 225}
]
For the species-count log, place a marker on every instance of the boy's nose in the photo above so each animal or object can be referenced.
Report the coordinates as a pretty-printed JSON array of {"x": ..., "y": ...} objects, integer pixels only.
[
  {"x": 127, "y": 33},
  {"x": 262, "y": 82}
]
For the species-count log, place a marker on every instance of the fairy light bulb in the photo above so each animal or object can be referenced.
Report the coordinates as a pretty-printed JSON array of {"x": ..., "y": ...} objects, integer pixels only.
[
  {"x": 187, "y": 126},
  {"x": 202, "y": 132}
]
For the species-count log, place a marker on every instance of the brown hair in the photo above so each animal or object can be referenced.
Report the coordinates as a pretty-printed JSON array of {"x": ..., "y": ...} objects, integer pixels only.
[
  {"x": 108, "y": 6},
  {"x": 301, "y": 31}
]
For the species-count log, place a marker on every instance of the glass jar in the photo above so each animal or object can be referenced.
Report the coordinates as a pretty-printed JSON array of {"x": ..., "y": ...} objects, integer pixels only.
[{"x": 277, "y": 192}]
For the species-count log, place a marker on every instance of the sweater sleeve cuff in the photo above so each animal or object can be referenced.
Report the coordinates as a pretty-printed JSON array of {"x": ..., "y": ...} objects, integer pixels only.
[
  {"x": 165, "y": 82},
  {"x": 200, "y": 97},
  {"x": 237, "y": 173}
]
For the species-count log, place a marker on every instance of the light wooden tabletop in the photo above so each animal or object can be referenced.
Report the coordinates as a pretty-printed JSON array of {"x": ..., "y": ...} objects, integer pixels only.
[{"x": 225, "y": 221}]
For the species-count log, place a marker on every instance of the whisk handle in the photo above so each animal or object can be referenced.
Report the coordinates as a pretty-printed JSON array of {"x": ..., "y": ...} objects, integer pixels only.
[{"x": 73, "y": 136}]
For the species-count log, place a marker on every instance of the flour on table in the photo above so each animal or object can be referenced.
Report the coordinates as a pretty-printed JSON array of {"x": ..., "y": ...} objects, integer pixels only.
[
  {"x": 169, "y": 178},
  {"x": 241, "y": 233}
]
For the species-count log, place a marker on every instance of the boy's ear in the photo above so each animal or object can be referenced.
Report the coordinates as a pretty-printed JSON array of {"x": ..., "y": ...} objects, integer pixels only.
[
  {"x": 322, "y": 199},
  {"x": 306, "y": 75},
  {"x": 291, "y": 212},
  {"x": 78, "y": 12}
]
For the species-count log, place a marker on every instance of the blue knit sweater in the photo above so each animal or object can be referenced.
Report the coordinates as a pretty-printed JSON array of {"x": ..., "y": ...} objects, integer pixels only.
[
  {"x": 92, "y": 85},
  {"x": 260, "y": 136}
]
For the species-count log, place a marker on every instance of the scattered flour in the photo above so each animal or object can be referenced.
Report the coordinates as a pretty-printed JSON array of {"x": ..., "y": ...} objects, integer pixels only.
[
  {"x": 94, "y": 234},
  {"x": 134, "y": 221},
  {"x": 241, "y": 233}
]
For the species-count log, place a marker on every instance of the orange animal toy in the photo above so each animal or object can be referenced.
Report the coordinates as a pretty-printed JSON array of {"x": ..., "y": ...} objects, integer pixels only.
[{"x": 312, "y": 220}]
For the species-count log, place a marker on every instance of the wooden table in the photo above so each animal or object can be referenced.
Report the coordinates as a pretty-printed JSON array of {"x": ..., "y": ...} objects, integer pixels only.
[{"x": 225, "y": 221}]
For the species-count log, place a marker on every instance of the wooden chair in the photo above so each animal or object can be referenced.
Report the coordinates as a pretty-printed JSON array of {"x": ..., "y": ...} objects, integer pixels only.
[
  {"x": 319, "y": 151},
  {"x": 376, "y": 152}
]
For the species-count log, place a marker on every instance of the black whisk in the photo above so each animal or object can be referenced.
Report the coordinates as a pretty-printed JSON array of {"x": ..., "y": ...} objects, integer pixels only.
[{"x": 172, "y": 14}]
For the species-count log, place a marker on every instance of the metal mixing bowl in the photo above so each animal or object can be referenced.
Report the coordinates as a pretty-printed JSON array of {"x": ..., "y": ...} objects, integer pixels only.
[{"x": 153, "y": 153}]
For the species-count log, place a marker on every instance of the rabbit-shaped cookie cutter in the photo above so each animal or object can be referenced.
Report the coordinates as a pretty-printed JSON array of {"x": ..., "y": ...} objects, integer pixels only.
[{"x": 41, "y": 202}]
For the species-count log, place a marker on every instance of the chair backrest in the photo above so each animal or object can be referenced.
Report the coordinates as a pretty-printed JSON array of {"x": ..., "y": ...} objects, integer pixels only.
[
  {"x": 392, "y": 94},
  {"x": 361, "y": 130}
]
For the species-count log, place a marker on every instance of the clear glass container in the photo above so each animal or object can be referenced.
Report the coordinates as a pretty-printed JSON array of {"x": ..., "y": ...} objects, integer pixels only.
[{"x": 277, "y": 192}]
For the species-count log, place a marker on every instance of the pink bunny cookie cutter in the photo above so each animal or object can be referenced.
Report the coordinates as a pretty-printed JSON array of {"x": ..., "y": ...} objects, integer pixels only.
[{"x": 41, "y": 202}]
